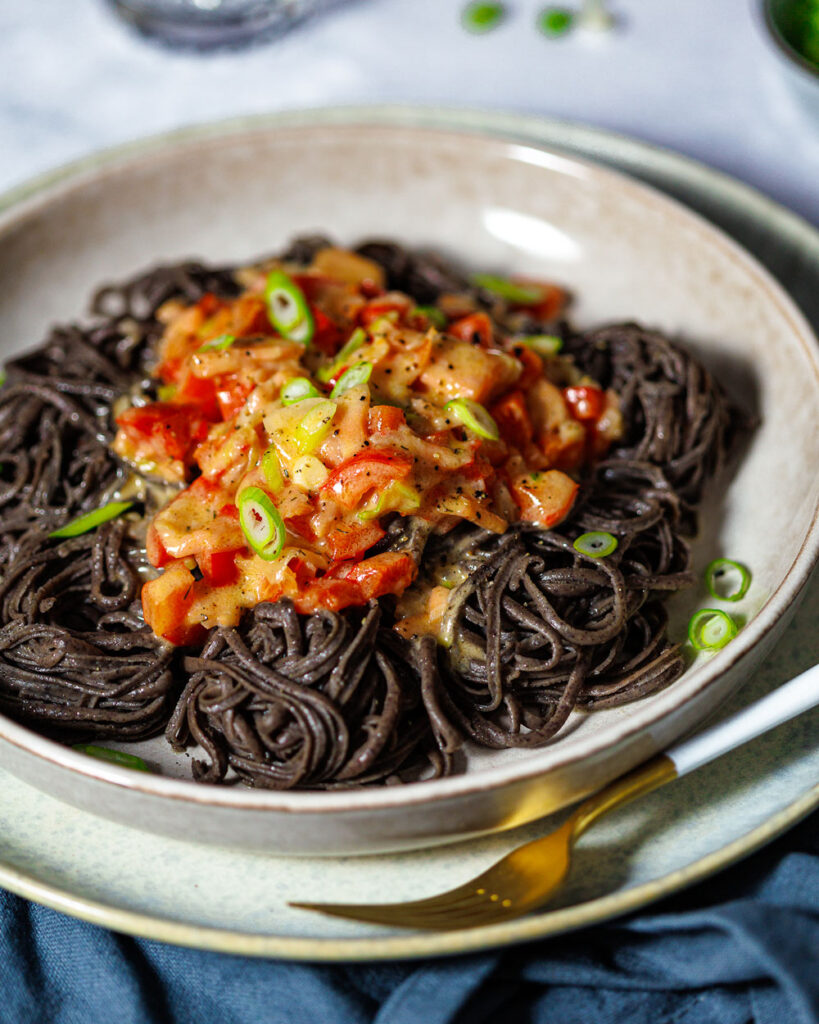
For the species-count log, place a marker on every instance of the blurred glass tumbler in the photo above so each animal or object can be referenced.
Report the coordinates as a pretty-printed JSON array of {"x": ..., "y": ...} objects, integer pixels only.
[{"x": 206, "y": 24}]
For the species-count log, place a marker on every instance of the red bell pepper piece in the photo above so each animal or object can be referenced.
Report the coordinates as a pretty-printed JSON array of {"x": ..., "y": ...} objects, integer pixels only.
[
  {"x": 585, "y": 403},
  {"x": 350, "y": 481},
  {"x": 384, "y": 418},
  {"x": 475, "y": 328}
]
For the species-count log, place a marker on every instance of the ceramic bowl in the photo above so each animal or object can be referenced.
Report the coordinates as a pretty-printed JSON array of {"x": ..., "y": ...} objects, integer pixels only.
[{"x": 624, "y": 250}]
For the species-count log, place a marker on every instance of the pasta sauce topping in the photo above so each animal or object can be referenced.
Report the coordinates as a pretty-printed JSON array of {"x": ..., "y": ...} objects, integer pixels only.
[{"x": 303, "y": 417}]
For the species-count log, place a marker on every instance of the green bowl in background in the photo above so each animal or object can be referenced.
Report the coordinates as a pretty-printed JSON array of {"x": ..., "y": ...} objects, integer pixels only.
[{"x": 793, "y": 28}]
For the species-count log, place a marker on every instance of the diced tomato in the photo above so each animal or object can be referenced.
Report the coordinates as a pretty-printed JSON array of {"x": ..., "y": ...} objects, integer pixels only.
[
  {"x": 229, "y": 510},
  {"x": 209, "y": 304},
  {"x": 327, "y": 334},
  {"x": 201, "y": 392},
  {"x": 363, "y": 473},
  {"x": 155, "y": 549},
  {"x": 348, "y": 541},
  {"x": 167, "y": 429},
  {"x": 231, "y": 394},
  {"x": 301, "y": 525},
  {"x": 370, "y": 289},
  {"x": 390, "y": 572},
  {"x": 552, "y": 299},
  {"x": 311, "y": 284},
  {"x": 330, "y": 594},
  {"x": 380, "y": 307},
  {"x": 532, "y": 365},
  {"x": 384, "y": 418},
  {"x": 544, "y": 498},
  {"x": 585, "y": 403},
  {"x": 475, "y": 328},
  {"x": 166, "y": 602},
  {"x": 250, "y": 316},
  {"x": 303, "y": 570},
  {"x": 479, "y": 469},
  {"x": 208, "y": 491},
  {"x": 512, "y": 417},
  {"x": 218, "y": 567}
]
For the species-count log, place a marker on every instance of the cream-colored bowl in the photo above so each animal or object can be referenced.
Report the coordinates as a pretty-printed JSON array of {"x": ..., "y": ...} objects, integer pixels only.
[{"x": 624, "y": 250}]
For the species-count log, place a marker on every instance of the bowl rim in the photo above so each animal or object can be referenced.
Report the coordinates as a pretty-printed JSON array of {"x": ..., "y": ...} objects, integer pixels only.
[
  {"x": 792, "y": 56},
  {"x": 34, "y": 195}
]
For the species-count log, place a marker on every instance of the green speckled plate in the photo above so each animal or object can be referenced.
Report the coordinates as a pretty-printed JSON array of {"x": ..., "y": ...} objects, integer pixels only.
[{"x": 222, "y": 899}]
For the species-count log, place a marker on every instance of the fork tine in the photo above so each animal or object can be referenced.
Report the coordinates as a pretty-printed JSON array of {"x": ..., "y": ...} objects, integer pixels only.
[
  {"x": 405, "y": 915},
  {"x": 445, "y": 911}
]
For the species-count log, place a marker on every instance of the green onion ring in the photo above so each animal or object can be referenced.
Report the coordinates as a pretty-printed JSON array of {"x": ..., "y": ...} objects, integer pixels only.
[
  {"x": 114, "y": 756},
  {"x": 474, "y": 417},
  {"x": 722, "y": 566},
  {"x": 711, "y": 629},
  {"x": 509, "y": 290},
  {"x": 296, "y": 390},
  {"x": 596, "y": 544},
  {"x": 218, "y": 344},
  {"x": 314, "y": 427},
  {"x": 326, "y": 373},
  {"x": 437, "y": 317},
  {"x": 482, "y": 15},
  {"x": 358, "y": 374},
  {"x": 555, "y": 21},
  {"x": 272, "y": 471},
  {"x": 261, "y": 523},
  {"x": 91, "y": 520},
  {"x": 543, "y": 344},
  {"x": 288, "y": 309}
]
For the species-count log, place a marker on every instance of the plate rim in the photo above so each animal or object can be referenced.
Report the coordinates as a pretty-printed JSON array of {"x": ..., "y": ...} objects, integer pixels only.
[
  {"x": 412, "y": 945},
  {"x": 19, "y": 202},
  {"x": 603, "y": 144}
]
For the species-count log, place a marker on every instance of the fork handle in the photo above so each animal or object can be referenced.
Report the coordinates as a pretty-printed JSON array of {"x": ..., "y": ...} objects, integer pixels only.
[{"x": 783, "y": 703}]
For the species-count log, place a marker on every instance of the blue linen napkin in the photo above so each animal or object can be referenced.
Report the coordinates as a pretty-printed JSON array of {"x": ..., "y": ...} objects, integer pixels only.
[{"x": 742, "y": 947}]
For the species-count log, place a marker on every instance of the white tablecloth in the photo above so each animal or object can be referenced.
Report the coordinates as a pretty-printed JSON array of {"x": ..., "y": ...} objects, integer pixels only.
[{"x": 693, "y": 75}]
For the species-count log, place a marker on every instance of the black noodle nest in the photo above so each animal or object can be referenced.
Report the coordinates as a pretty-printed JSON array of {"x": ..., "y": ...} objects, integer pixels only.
[{"x": 328, "y": 700}]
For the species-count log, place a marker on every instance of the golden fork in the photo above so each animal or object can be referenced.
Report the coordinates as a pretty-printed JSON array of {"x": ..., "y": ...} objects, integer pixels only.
[{"x": 527, "y": 877}]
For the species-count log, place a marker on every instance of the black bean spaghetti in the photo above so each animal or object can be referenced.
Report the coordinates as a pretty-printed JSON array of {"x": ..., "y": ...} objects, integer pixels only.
[{"x": 535, "y": 628}]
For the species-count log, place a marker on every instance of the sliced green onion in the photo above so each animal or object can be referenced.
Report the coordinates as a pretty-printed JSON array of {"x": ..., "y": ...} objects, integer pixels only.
[
  {"x": 596, "y": 544},
  {"x": 114, "y": 756},
  {"x": 474, "y": 417},
  {"x": 297, "y": 389},
  {"x": 396, "y": 497},
  {"x": 437, "y": 317},
  {"x": 261, "y": 523},
  {"x": 711, "y": 629},
  {"x": 91, "y": 520},
  {"x": 358, "y": 374},
  {"x": 543, "y": 344},
  {"x": 482, "y": 16},
  {"x": 2, "y": 378},
  {"x": 288, "y": 309},
  {"x": 727, "y": 580},
  {"x": 218, "y": 344},
  {"x": 315, "y": 426},
  {"x": 353, "y": 344},
  {"x": 506, "y": 289},
  {"x": 272, "y": 471},
  {"x": 165, "y": 392},
  {"x": 555, "y": 21}
]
